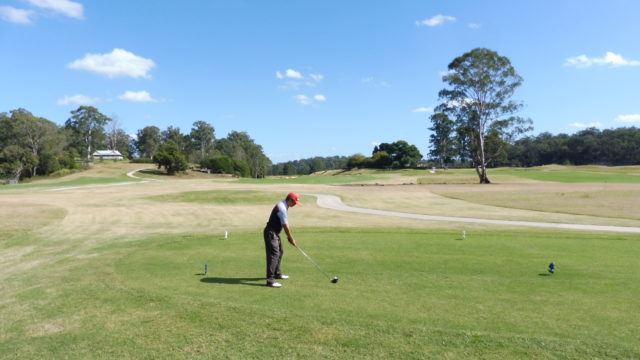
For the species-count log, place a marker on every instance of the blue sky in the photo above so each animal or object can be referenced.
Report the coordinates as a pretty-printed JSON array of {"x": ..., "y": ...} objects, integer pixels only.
[{"x": 314, "y": 78}]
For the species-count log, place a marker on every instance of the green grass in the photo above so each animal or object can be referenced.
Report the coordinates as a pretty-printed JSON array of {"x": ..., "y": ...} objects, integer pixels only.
[
  {"x": 402, "y": 294},
  {"x": 578, "y": 175},
  {"x": 222, "y": 197},
  {"x": 311, "y": 179},
  {"x": 562, "y": 174}
]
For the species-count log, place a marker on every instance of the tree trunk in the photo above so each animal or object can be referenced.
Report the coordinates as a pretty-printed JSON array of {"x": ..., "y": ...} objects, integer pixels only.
[
  {"x": 482, "y": 174},
  {"x": 482, "y": 168}
]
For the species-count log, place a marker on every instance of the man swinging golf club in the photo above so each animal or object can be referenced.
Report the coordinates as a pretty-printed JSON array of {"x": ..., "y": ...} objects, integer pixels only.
[{"x": 278, "y": 220}]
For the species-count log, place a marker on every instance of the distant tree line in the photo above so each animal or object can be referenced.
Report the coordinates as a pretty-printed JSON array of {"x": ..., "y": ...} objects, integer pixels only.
[
  {"x": 32, "y": 145},
  {"x": 612, "y": 147},
  {"x": 399, "y": 154},
  {"x": 396, "y": 155},
  {"x": 309, "y": 166}
]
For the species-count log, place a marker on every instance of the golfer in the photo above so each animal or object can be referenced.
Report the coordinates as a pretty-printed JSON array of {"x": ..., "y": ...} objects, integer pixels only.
[{"x": 277, "y": 221}]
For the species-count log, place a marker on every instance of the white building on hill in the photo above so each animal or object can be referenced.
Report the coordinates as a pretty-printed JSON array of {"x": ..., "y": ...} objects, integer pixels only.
[{"x": 107, "y": 155}]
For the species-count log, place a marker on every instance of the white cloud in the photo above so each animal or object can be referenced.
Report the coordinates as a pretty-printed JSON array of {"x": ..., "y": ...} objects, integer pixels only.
[
  {"x": 18, "y": 16},
  {"x": 65, "y": 7},
  {"x": 290, "y": 73},
  {"x": 118, "y": 63},
  {"x": 634, "y": 118},
  {"x": 293, "y": 80},
  {"x": 137, "y": 96},
  {"x": 583, "y": 126},
  {"x": 611, "y": 59},
  {"x": 474, "y": 26},
  {"x": 375, "y": 82},
  {"x": 79, "y": 99},
  {"x": 435, "y": 20},
  {"x": 304, "y": 99},
  {"x": 424, "y": 110},
  {"x": 317, "y": 77}
]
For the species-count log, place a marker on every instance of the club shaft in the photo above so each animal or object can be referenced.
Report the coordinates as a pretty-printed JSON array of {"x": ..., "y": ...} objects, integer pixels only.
[{"x": 313, "y": 262}]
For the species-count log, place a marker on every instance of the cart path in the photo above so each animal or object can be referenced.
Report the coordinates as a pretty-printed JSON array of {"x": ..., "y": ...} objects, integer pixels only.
[{"x": 335, "y": 203}]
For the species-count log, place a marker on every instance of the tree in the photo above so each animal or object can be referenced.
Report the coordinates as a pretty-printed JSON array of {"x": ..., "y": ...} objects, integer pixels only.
[
  {"x": 16, "y": 160},
  {"x": 87, "y": 128},
  {"x": 148, "y": 142},
  {"x": 584, "y": 147},
  {"x": 401, "y": 153},
  {"x": 481, "y": 83},
  {"x": 356, "y": 161},
  {"x": 317, "y": 165},
  {"x": 443, "y": 145},
  {"x": 203, "y": 136},
  {"x": 35, "y": 134},
  {"x": 174, "y": 135},
  {"x": 171, "y": 158},
  {"x": 218, "y": 164},
  {"x": 381, "y": 159},
  {"x": 118, "y": 139},
  {"x": 240, "y": 147}
]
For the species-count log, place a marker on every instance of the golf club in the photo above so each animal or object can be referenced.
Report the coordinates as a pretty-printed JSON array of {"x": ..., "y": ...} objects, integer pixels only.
[{"x": 333, "y": 280}]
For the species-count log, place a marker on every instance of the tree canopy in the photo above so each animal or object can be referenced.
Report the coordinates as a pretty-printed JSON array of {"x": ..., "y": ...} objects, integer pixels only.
[{"x": 86, "y": 127}]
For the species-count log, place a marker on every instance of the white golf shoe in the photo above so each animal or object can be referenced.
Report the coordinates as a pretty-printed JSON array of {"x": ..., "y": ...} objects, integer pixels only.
[{"x": 274, "y": 284}]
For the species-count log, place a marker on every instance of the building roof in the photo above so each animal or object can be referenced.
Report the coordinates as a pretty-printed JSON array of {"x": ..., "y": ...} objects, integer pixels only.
[{"x": 107, "y": 153}]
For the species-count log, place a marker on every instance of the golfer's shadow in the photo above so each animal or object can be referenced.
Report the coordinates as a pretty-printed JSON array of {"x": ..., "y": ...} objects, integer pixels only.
[{"x": 233, "y": 281}]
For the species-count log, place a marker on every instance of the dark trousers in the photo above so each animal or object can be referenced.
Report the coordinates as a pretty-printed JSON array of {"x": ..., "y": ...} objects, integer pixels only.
[{"x": 273, "y": 247}]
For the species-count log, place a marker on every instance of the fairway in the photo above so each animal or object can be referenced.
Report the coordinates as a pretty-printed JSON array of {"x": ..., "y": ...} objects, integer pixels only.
[{"x": 118, "y": 272}]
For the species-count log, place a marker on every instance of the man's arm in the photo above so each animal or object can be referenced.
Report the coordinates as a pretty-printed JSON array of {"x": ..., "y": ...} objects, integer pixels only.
[{"x": 287, "y": 230}]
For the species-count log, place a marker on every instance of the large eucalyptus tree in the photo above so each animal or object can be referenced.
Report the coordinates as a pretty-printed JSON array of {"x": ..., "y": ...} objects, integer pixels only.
[{"x": 478, "y": 98}]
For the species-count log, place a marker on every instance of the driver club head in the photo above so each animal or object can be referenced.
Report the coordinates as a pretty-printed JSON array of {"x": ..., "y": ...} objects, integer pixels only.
[{"x": 334, "y": 280}]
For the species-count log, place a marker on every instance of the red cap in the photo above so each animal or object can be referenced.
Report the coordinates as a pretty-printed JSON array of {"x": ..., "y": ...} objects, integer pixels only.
[{"x": 293, "y": 196}]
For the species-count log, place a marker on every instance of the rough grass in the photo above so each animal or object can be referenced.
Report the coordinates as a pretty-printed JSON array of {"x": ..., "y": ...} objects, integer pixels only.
[
  {"x": 579, "y": 200},
  {"x": 222, "y": 197}
]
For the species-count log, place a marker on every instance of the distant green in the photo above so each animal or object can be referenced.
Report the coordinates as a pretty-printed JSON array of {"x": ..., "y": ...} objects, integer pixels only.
[{"x": 570, "y": 176}]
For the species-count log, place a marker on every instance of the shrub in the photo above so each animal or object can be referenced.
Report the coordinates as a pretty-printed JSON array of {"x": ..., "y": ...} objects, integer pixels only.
[
  {"x": 241, "y": 168},
  {"x": 171, "y": 158},
  {"x": 218, "y": 164}
]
